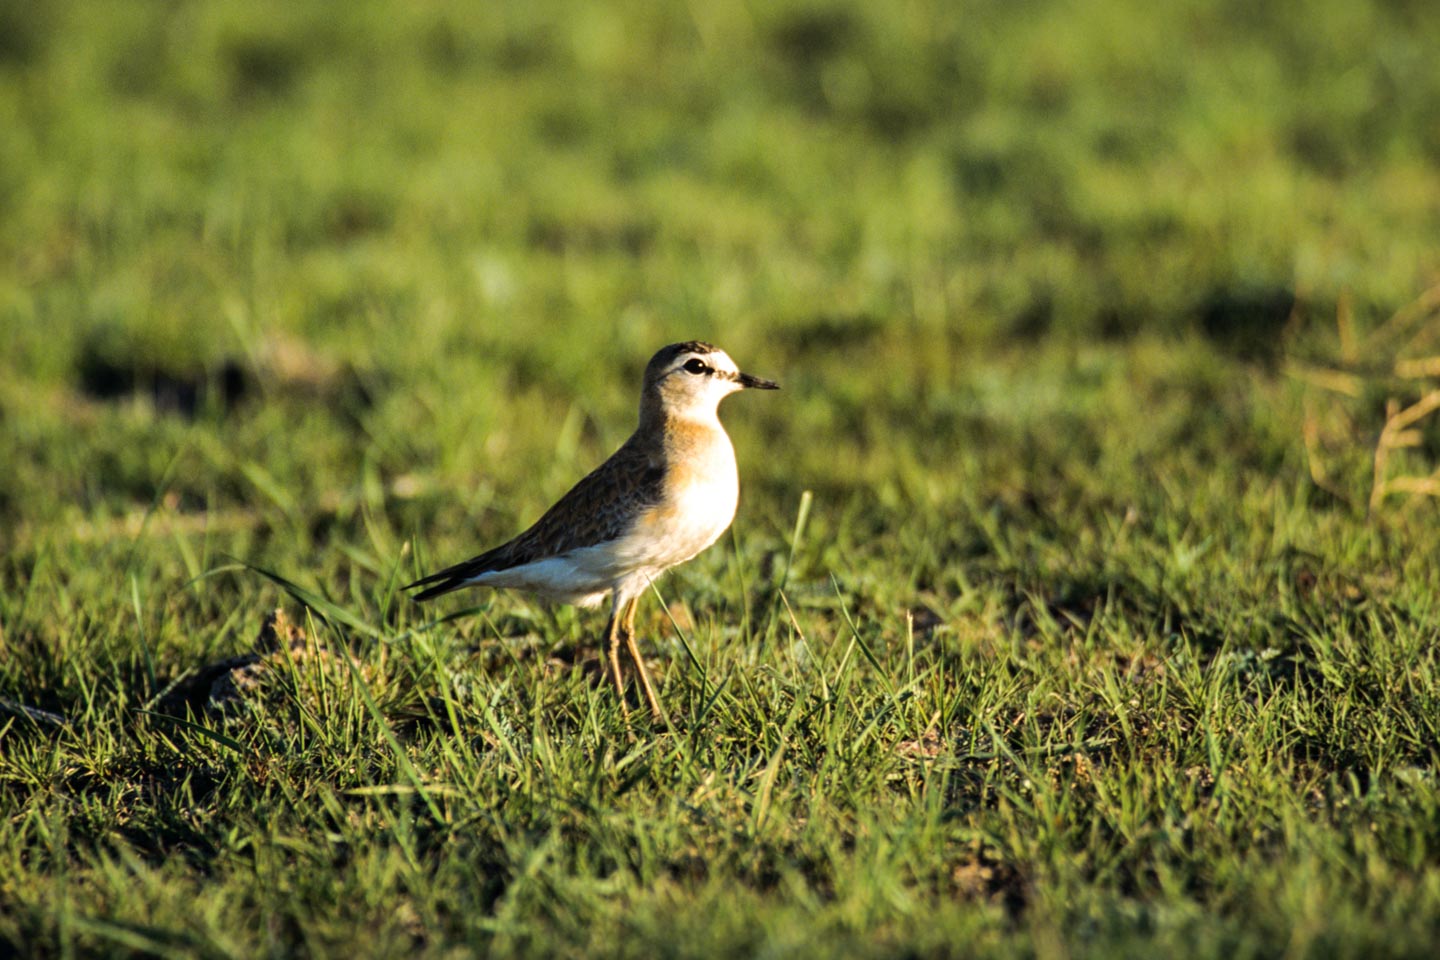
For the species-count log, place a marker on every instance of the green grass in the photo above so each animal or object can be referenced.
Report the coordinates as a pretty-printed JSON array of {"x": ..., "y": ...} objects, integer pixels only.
[{"x": 1053, "y": 621}]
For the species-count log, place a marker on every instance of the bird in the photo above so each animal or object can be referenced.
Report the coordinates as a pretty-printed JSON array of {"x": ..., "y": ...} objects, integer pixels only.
[{"x": 665, "y": 495}]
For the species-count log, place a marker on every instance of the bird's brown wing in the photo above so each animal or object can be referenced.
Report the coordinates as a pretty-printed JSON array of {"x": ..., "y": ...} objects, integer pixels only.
[{"x": 600, "y": 508}]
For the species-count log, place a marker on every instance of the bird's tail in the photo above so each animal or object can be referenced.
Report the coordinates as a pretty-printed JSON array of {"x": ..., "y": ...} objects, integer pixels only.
[
  {"x": 453, "y": 577},
  {"x": 439, "y": 585}
]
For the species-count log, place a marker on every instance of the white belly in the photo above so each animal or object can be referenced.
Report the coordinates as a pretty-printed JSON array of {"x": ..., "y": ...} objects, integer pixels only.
[
  {"x": 567, "y": 579},
  {"x": 701, "y": 512}
]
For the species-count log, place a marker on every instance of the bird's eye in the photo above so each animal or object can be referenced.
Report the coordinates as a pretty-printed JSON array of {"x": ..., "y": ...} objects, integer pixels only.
[{"x": 696, "y": 365}]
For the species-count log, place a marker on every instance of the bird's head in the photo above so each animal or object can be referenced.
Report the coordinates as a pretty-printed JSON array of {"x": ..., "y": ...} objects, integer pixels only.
[{"x": 688, "y": 380}]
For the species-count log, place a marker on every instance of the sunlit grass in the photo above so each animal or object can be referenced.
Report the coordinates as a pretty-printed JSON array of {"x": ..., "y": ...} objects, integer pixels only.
[{"x": 1060, "y": 616}]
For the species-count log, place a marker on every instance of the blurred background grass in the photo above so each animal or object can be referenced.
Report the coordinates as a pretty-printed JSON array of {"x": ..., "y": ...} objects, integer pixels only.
[
  {"x": 461, "y": 203},
  {"x": 304, "y": 284}
]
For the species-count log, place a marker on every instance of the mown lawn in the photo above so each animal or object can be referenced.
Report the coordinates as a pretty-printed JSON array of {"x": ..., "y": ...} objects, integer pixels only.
[{"x": 1065, "y": 614}]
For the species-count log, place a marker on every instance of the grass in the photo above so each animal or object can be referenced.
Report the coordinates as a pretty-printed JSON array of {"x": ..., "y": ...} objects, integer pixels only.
[{"x": 1067, "y": 611}]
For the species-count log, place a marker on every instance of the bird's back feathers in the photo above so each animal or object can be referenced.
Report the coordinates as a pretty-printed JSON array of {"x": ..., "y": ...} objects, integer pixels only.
[{"x": 600, "y": 508}]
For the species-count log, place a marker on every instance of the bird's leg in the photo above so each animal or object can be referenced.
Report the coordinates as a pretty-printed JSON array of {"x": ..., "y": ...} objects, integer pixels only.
[
  {"x": 627, "y": 630},
  {"x": 612, "y": 654}
]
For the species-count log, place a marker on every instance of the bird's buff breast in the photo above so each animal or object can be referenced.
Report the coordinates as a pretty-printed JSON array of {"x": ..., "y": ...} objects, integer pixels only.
[{"x": 698, "y": 505}]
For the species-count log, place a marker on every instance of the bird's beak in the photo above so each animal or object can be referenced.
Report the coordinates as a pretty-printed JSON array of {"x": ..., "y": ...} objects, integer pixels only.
[{"x": 755, "y": 383}]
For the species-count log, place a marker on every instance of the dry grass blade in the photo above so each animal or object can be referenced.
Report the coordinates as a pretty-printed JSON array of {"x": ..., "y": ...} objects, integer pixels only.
[
  {"x": 33, "y": 714},
  {"x": 1334, "y": 423},
  {"x": 1397, "y": 434},
  {"x": 1405, "y": 320},
  {"x": 1418, "y": 369}
]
